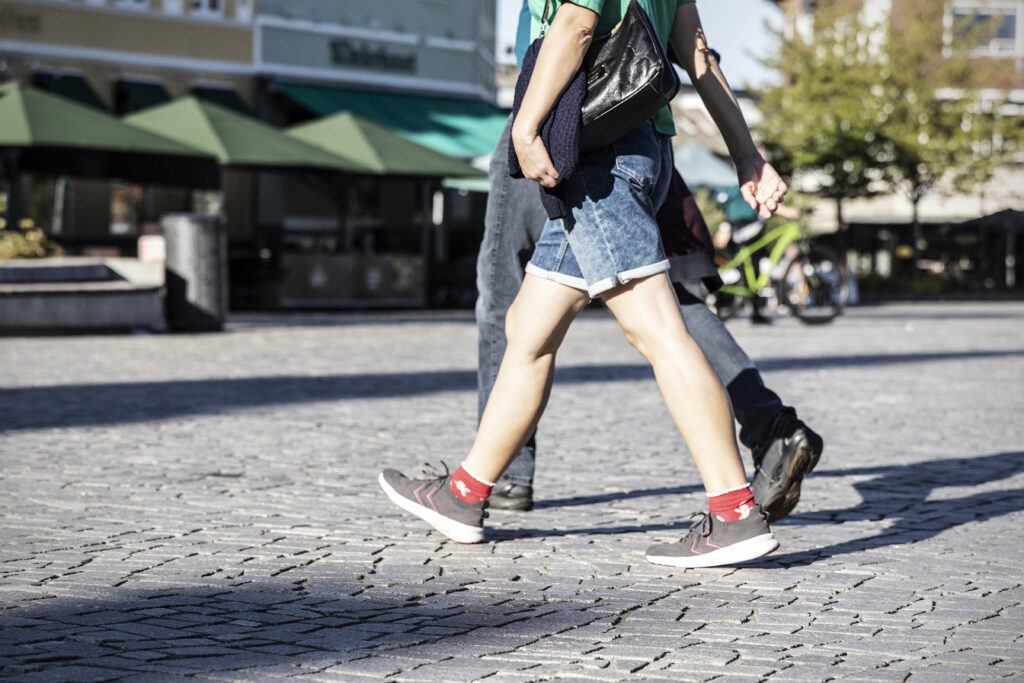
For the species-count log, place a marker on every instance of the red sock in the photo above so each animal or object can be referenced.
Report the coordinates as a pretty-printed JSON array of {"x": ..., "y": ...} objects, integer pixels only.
[
  {"x": 732, "y": 505},
  {"x": 468, "y": 488}
]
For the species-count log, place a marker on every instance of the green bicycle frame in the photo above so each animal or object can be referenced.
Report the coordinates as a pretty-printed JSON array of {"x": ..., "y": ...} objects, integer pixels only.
[{"x": 783, "y": 236}]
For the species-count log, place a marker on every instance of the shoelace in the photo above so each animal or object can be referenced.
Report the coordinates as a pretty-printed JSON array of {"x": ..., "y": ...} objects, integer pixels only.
[
  {"x": 704, "y": 522},
  {"x": 432, "y": 473}
]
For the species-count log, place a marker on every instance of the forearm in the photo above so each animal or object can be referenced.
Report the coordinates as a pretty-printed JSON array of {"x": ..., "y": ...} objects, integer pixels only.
[
  {"x": 561, "y": 56},
  {"x": 690, "y": 45},
  {"x": 717, "y": 96}
]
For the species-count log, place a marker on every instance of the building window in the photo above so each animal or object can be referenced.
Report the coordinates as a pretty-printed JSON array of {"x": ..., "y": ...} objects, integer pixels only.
[
  {"x": 990, "y": 29},
  {"x": 133, "y": 4},
  {"x": 206, "y": 8},
  {"x": 174, "y": 6}
]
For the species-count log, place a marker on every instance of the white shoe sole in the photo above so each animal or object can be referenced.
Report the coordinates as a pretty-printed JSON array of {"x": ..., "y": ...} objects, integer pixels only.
[
  {"x": 457, "y": 531},
  {"x": 749, "y": 549}
]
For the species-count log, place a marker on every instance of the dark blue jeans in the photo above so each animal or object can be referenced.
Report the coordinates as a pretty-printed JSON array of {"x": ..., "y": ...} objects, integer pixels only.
[{"x": 512, "y": 225}]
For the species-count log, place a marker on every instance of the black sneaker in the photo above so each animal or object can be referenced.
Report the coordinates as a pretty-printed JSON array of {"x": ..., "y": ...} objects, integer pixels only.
[
  {"x": 433, "y": 501},
  {"x": 713, "y": 543},
  {"x": 509, "y": 496},
  {"x": 779, "y": 470}
]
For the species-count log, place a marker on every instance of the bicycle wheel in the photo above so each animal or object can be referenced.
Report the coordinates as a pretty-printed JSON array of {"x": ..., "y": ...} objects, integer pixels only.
[{"x": 815, "y": 286}]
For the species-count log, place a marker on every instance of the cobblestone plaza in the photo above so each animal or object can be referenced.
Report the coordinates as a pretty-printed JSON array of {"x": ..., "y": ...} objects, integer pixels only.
[{"x": 206, "y": 506}]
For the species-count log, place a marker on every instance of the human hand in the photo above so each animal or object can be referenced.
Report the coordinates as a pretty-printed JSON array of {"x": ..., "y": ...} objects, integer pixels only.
[
  {"x": 534, "y": 159},
  {"x": 761, "y": 186},
  {"x": 722, "y": 236}
]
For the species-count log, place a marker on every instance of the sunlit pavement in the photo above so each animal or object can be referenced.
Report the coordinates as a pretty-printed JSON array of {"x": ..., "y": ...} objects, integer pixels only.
[{"x": 206, "y": 506}]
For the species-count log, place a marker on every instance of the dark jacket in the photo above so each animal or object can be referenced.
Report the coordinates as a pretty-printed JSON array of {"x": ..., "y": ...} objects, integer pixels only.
[
  {"x": 686, "y": 238},
  {"x": 560, "y": 131}
]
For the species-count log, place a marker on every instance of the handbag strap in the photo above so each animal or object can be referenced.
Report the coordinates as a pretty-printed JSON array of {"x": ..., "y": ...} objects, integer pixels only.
[{"x": 544, "y": 19}]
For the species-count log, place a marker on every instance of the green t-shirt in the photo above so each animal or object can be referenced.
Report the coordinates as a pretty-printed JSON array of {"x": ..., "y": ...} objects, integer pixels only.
[{"x": 661, "y": 12}]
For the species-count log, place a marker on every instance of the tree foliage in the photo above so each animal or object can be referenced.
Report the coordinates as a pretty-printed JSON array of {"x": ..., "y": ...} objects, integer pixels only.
[
  {"x": 865, "y": 108},
  {"x": 823, "y": 120},
  {"x": 935, "y": 124}
]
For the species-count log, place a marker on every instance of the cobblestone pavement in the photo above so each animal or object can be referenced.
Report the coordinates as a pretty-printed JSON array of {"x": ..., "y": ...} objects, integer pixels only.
[{"x": 205, "y": 506}]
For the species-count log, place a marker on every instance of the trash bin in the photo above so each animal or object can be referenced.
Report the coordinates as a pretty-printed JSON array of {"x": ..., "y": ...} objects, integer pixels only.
[{"x": 197, "y": 272}]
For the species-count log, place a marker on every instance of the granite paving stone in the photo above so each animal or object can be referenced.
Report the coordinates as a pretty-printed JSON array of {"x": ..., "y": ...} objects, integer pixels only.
[{"x": 204, "y": 506}]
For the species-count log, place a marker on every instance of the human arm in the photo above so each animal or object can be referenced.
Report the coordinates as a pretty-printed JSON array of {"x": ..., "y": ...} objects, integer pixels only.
[
  {"x": 560, "y": 58},
  {"x": 761, "y": 186}
]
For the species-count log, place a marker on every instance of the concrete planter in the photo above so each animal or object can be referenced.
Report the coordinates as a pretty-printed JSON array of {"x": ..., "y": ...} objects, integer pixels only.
[{"x": 81, "y": 293}]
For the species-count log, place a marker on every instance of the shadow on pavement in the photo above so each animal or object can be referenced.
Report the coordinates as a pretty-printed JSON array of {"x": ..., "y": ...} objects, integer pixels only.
[
  {"x": 599, "y": 498},
  {"x": 367, "y": 626},
  {"x": 818, "y": 362},
  {"x": 908, "y": 313},
  {"x": 199, "y": 630},
  {"x": 898, "y": 493},
  {"x": 349, "y": 319},
  {"x": 508, "y": 534},
  {"x": 631, "y": 372},
  {"x": 72, "y": 405}
]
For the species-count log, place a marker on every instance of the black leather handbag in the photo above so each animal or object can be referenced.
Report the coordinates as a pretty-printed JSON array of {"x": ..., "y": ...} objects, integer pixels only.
[{"x": 629, "y": 78}]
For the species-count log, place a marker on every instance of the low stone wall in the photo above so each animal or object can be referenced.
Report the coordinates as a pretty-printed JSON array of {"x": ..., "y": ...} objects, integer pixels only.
[{"x": 87, "y": 294}]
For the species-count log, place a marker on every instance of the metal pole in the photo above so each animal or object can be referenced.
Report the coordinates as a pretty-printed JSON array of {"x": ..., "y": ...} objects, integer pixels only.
[{"x": 1011, "y": 256}]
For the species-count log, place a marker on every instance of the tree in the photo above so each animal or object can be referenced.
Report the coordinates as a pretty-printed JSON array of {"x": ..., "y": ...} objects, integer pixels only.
[
  {"x": 821, "y": 121},
  {"x": 873, "y": 107},
  {"x": 938, "y": 134}
]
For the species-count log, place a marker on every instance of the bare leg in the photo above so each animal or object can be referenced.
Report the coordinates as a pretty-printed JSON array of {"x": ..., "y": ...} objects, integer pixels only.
[
  {"x": 535, "y": 326},
  {"x": 648, "y": 312}
]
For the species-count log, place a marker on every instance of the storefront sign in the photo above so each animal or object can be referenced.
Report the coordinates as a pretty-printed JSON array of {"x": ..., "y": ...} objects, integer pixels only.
[
  {"x": 13, "y": 21},
  {"x": 346, "y": 52},
  {"x": 342, "y": 53}
]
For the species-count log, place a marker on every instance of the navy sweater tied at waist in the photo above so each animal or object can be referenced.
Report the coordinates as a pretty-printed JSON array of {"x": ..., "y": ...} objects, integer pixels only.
[{"x": 560, "y": 132}]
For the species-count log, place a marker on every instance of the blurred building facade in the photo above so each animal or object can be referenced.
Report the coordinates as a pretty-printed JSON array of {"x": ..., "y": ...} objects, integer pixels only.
[
  {"x": 284, "y": 61},
  {"x": 972, "y": 237},
  {"x": 120, "y": 56},
  {"x": 423, "y": 68}
]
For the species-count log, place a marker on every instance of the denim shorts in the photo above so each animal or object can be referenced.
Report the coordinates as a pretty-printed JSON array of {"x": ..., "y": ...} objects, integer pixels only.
[{"x": 611, "y": 235}]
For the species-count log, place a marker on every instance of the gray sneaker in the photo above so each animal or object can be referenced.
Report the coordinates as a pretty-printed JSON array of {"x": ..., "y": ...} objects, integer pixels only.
[
  {"x": 713, "y": 543},
  {"x": 433, "y": 501},
  {"x": 779, "y": 470}
]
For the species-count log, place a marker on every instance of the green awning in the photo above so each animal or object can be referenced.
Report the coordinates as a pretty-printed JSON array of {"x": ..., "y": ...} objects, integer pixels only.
[
  {"x": 50, "y": 134},
  {"x": 72, "y": 86},
  {"x": 458, "y": 128},
  {"x": 223, "y": 97},
  {"x": 136, "y": 95},
  {"x": 234, "y": 139},
  {"x": 378, "y": 149}
]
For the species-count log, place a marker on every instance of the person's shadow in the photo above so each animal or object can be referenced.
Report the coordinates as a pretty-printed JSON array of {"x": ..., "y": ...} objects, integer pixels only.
[
  {"x": 898, "y": 493},
  {"x": 901, "y": 494}
]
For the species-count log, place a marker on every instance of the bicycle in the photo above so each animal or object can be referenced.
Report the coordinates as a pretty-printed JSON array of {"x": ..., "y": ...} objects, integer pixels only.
[{"x": 809, "y": 281}]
